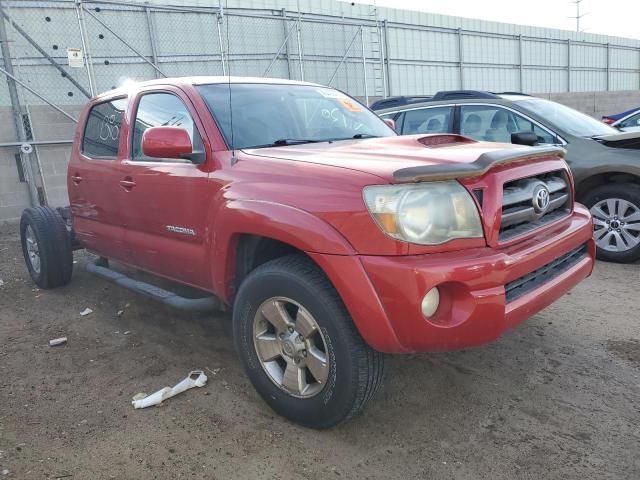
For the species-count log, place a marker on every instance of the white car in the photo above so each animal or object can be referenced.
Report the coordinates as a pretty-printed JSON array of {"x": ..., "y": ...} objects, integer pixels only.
[{"x": 627, "y": 122}]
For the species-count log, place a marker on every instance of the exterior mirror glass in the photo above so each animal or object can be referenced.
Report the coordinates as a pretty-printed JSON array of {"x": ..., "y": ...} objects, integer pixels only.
[
  {"x": 524, "y": 138},
  {"x": 391, "y": 123}
]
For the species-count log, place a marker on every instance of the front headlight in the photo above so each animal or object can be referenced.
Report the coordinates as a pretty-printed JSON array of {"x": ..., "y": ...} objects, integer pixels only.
[{"x": 427, "y": 213}]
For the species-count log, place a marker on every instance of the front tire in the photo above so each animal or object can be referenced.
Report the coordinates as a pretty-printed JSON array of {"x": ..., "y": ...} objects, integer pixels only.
[
  {"x": 300, "y": 347},
  {"x": 46, "y": 246}
]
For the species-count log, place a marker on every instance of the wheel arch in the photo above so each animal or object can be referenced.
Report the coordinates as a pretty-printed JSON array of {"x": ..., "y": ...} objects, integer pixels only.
[
  {"x": 602, "y": 178},
  {"x": 248, "y": 233}
]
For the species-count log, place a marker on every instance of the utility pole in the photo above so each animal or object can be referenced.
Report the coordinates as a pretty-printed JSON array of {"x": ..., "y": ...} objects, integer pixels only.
[{"x": 578, "y": 14}]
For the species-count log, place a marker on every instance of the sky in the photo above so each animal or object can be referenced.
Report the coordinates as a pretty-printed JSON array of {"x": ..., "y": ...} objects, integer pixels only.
[{"x": 609, "y": 17}]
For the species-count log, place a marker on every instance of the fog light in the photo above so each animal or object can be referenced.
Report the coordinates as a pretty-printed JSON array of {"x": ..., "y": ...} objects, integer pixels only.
[{"x": 430, "y": 302}]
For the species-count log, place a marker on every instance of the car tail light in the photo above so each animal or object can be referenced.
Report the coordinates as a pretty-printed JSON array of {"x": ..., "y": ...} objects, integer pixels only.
[{"x": 608, "y": 120}]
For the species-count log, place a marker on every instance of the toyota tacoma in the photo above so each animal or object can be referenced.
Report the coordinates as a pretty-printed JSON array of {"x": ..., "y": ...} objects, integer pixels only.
[{"x": 333, "y": 240}]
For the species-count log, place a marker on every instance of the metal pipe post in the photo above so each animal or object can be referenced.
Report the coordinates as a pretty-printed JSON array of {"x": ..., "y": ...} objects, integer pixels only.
[
  {"x": 287, "y": 53},
  {"x": 364, "y": 66},
  {"x": 568, "y": 64},
  {"x": 220, "y": 42},
  {"x": 460, "y": 58},
  {"x": 16, "y": 109},
  {"x": 386, "y": 56},
  {"x": 300, "y": 56},
  {"x": 85, "y": 46},
  {"x": 608, "y": 67},
  {"x": 520, "y": 64},
  {"x": 152, "y": 38}
]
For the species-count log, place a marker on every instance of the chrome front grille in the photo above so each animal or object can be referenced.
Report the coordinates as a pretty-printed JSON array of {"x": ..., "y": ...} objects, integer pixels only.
[{"x": 529, "y": 203}]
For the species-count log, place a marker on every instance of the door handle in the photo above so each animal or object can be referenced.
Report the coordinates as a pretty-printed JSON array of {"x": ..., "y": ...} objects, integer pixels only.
[
  {"x": 127, "y": 183},
  {"x": 76, "y": 178}
]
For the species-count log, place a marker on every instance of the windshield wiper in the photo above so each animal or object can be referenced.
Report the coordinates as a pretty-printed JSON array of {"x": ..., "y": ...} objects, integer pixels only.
[
  {"x": 294, "y": 141},
  {"x": 364, "y": 135}
]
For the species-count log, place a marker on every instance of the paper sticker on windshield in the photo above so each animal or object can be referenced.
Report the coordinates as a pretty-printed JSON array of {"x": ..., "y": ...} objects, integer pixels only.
[
  {"x": 350, "y": 105},
  {"x": 330, "y": 93}
]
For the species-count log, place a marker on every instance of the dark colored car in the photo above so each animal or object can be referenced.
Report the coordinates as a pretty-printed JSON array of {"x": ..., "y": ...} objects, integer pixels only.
[{"x": 605, "y": 162}]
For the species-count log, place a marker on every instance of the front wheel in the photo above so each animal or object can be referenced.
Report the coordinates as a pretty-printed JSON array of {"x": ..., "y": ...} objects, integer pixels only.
[
  {"x": 615, "y": 209},
  {"x": 299, "y": 345}
]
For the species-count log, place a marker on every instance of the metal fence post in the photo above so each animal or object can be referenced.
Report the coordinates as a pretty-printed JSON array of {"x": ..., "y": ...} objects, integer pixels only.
[
  {"x": 521, "y": 61},
  {"x": 299, "y": 40},
  {"x": 152, "y": 38},
  {"x": 219, "y": 21},
  {"x": 386, "y": 55},
  {"x": 364, "y": 66},
  {"x": 608, "y": 66},
  {"x": 382, "y": 56},
  {"x": 568, "y": 64},
  {"x": 460, "y": 58},
  {"x": 85, "y": 46},
  {"x": 16, "y": 109},
  {"x": 283, "y": 12}
]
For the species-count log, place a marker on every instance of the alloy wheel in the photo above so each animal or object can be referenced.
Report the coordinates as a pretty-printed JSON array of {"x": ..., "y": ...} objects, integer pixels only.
[
  {"x": 291, "y": 347},
  {"x": 616, "y": 224}
]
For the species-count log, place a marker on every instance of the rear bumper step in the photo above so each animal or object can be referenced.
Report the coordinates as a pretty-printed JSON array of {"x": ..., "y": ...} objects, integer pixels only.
[{"x": 204, "y": 304}]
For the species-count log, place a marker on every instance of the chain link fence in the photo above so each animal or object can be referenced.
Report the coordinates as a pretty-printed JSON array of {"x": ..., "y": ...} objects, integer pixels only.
[{"x": 58, "y": 53}]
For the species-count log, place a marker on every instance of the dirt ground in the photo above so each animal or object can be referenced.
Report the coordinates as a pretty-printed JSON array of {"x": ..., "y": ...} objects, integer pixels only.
[{"x": 556, "y": 398}]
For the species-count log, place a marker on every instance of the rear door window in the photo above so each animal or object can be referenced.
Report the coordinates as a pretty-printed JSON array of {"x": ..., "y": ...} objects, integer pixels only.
[
  {"x": 427, "y": 120},
  {"x": 102, "y": 130},
  {"x": 492, "y": 123}
]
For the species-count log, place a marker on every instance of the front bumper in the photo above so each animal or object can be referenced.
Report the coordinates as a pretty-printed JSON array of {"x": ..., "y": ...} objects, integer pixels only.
[{"x": 474, "y": 307}]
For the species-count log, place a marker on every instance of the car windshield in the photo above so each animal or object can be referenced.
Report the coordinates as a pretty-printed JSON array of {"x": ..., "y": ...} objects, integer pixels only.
[
  {"x": 567, "y": 119},
  {"x": 265, "y": 115}
]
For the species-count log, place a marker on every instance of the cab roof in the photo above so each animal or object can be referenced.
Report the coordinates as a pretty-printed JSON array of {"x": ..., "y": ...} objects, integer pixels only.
[{"x": 198, "y": 80}]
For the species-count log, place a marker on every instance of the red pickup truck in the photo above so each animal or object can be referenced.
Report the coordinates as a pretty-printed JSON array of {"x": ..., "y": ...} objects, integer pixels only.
[{"x": 334, "y": 240}]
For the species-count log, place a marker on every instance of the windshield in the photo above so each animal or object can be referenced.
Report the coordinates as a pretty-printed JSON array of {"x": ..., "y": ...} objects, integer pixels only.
[
  {"x": 567, "y": 119},
  {"x": 271, "y": 115}
]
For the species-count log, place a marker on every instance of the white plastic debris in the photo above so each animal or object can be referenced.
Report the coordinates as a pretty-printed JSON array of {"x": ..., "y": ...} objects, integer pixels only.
[
  {"x": 196, "y": 378},
  {"x": 57, "y": 341},
  {"x": 86, "y": 312},
  {"x": 1, "y": 282}
]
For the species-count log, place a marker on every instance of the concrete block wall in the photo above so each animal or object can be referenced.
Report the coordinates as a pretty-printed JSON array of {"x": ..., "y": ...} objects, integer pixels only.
[
  {"x": 597, "y": 104},
  {"x": 14, "y": 195}
]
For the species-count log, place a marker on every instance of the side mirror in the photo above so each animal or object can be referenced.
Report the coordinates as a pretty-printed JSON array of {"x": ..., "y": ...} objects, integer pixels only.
[
  {"x": 391, "y": 123},
  {"x": 168, "y": 142},
  {"x": 524, "y": 138}
]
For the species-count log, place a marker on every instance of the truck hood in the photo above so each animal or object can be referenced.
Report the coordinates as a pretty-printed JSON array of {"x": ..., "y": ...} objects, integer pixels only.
[{"x": 384, "y": 156}]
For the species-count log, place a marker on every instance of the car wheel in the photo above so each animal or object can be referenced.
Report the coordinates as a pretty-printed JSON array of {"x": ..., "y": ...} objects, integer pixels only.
[
  {"x": 299, "y": 345},
  {"x": 615, "y": 209},
  {"x": 46, "y": 246}
]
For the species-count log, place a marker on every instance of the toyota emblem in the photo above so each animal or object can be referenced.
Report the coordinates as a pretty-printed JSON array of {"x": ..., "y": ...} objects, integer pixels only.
[{"x": 541, "y": 199}]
